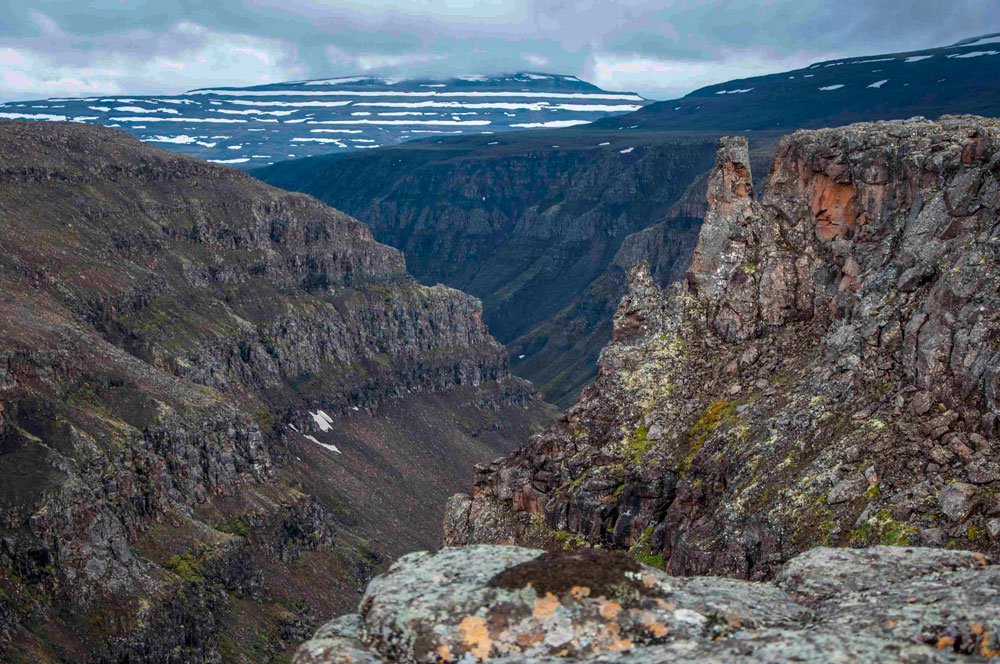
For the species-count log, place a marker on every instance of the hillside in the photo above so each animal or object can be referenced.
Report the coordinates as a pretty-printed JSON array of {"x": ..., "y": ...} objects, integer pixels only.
[
  {"x": 962, "y": 78},
  {"x": 262, "y": 124},
  {"x": 201, "y": 387}
]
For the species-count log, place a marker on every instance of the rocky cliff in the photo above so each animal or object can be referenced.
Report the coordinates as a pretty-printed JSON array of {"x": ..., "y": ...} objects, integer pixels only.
[
  {"x": 827, "y": 374},
  {"x": 530, "y": 223},
  {"x": 510, "y": 604},
  {"x": 198, "y": 377}
]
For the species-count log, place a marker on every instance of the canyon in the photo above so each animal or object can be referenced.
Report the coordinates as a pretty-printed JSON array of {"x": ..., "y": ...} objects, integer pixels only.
[{"x": 790, "y": 455}]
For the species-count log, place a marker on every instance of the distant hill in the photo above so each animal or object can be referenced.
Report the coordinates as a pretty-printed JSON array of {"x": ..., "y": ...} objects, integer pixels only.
[
  {"x": 962, "y": 78},
  {"x": 259, "y": 125}
]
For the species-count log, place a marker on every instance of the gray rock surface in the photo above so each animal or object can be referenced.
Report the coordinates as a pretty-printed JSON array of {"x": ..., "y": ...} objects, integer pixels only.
[{"x": 511, "y": 604}]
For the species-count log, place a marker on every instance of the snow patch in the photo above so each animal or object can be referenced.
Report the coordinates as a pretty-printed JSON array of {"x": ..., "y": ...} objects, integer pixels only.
[
  {"x": 182, "y": 139},
  {"x": 323, "y": 421},
  {"x": 836, "y": 86},
  {"x": 879, "y": 84},
  {"x": 33, "y": 116},
  {"x": 995, "y": 39},
  {"x": 554, "y": 124},
  {"x": 972, "y": 54},
  {"x": 332, "y": 448}
]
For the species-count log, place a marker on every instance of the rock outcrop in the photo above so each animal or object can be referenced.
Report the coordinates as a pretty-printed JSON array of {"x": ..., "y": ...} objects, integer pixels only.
[
  {"x": 183, "y": 352},
  {"x": 827, "y": 375},
  {"x": 511, "y": 604}
]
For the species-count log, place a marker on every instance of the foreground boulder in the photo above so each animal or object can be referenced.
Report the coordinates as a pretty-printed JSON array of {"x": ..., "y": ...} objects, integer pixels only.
[
  {"x": 827, "y": 375},
  {"x": 511, "y": 604}
]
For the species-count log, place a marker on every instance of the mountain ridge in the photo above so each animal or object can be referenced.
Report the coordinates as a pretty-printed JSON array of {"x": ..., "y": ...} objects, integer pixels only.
[
  {"x": 255, "y": 125},
  {"x": 955, "y": 79}
]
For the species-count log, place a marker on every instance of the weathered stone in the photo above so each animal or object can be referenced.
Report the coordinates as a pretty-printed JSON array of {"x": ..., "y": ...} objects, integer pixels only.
[
  {"x": 957, "y": 500},
  {"x": 509, "y": 604}
]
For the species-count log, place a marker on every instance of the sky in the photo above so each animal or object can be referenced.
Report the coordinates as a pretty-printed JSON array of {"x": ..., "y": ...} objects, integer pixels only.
[{"x": 659, "y": 48}]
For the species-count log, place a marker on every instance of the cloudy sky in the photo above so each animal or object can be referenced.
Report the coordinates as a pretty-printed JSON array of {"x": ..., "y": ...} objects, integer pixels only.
[{"x": 660, "y": 48}]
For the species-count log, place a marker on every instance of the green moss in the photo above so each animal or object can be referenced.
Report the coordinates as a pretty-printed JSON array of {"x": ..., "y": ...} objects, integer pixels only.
[
  {"x": 264, "y": 419},
  {"x": 717, "y": 413},
  {"x": 638, "y": 444},
  {"x": 570, "y": 541},
  {"x": 978, "y": 535},
  {"x": 642, "y": 551},
  {"x": 882, "y": 529},
  {"x": 187, "y": 566},
  {"x": 873, "y": 491},
  {"x": 236, "y": 525}
]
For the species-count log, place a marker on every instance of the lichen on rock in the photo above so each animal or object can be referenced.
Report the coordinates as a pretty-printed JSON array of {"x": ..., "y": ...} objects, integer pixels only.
[{"x": 510, "y": 604}]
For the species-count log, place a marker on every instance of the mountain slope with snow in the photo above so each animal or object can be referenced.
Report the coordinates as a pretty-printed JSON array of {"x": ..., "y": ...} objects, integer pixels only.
[
  {"x": 259, "y": 125},
  {"x": 961, "y": 78}
]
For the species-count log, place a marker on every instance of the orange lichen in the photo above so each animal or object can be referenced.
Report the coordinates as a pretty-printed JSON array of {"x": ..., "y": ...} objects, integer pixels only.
[
  {"x": 476, "y": 636},
  {"x": 945, "y": 642},
  {"x": 984, "y": 641},
  {"x": 655, "y": 627},
  {"x": 610, "y": 610},
  {"x": 545, "y": 607}
]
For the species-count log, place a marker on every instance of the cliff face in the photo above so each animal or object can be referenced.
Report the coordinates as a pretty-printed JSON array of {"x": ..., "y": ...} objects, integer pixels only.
[
  {"x": 183, "y": 350},
  {"x": 827, "y": 374},
  {"x": 531, "y": 224}
]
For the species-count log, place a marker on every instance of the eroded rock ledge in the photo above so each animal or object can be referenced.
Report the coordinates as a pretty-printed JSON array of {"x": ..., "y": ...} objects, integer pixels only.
[{"x": 512, "y": 604}]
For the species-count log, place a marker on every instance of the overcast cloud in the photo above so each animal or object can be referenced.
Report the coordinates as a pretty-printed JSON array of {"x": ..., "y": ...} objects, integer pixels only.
[{"x": 660, "y": 48}]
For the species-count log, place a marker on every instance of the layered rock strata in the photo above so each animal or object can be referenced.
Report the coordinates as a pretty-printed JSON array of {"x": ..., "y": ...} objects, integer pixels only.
[{"x": 179, "y": 346}]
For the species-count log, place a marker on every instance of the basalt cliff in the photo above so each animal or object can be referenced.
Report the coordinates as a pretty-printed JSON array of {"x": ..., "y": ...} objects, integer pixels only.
[
  {"x": 826, "y": 374},
  {"x": 222, "y": 406},
  {"x": 529, "y": 222}
]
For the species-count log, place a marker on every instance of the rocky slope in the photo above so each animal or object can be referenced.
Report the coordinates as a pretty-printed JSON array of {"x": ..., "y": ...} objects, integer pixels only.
[
  {"x": 531, "y": 224},
  {"x": 827, "y": 374},
  {"x": 198, "y": 381},
  {"x": 509, "y": 604}
]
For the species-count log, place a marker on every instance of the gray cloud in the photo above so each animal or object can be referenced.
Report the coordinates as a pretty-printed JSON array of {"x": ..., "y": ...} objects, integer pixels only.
[{"x": 661, "y": 48}]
